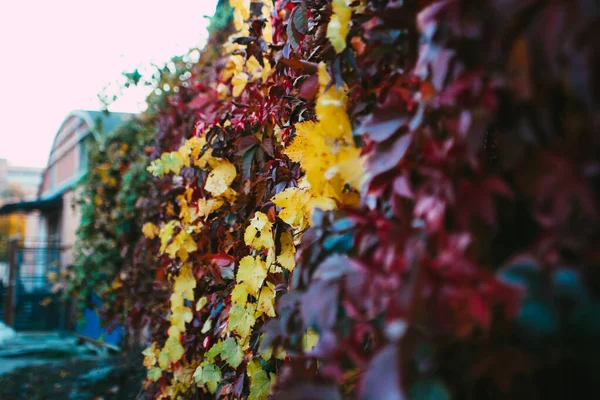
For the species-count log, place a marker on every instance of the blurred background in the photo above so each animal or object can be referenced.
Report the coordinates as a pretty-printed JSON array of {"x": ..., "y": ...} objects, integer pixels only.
[{"x": 64, "y": 64}]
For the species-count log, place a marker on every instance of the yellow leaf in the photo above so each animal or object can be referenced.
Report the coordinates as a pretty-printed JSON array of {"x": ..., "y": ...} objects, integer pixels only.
[
  {"x": 207, "y": 325},
  {"x": 220, "y": 178},
  {"x": 183, "y": 375},
  {"x": 337, "y": 30},
  {"x": 150, "y": 355},
  {"x": 331, "y": 109},
  {"x": 176, "y": 300},
  {"x": 325, "y": 149},
  {"x": 180, "y": 316},
  {"x": 206, "y": 207},
  {"x": 222, "y": 91},
  {"x": 286, "y": 257},
  {"x": 292, "y": 203},
  {"x": 201, "y": 303},
  {"x": 233, "y": 66},
  {"x": 241, "y": 12},
  {"x": 166, "y": 233},
  {"x": 182, "y": 245},
  {"x": 173, "y": 349},
  {"x": 252, "y": 272},
  {"x": 256, "y": 70},
  {"x": 259, "y": 233},
  {"x": 239, "y": 295},
  {"x": 310, "y": 340},
  {"x": 297, "y": 204},
  {"x": 150, "y": 230},
  {"x": 185, "y": 283},
  {"x": 266, "y": 300},
  {"x": 267, "y": 29},
  {"x": 238, "y": 82}
]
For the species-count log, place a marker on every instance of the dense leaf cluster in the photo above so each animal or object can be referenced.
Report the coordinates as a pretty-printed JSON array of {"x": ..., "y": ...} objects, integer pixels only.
[{"x": 432, "y": 169}]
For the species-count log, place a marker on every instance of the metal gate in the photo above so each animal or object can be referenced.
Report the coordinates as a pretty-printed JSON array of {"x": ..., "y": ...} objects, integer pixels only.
[{"x": 28, "y": 302}]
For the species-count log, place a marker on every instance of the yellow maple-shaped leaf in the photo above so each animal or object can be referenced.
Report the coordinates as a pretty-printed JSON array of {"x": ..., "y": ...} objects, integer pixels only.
[
  {"x": 238, "y": 83},
  {"x": 150, "y": 230},
  {"x": 267, "y": 30},
  {"x": 314, "y": 153},
  {"x": 184, "y": 374},
  {"x": 185, "y": 283},
  {"x": 297, "y": 204},
  {"x": 206, "y": 207},
  {"x": 205, "y": 159},
  {"x": 239, "y": 295},
  {"x": 194, "y": 146},
  {"x": 256, "y": 70},
  {"x": 229, "y": 195},
  {"x": 349, "y": 169},
  {"x": 220, "y": 178},
  {"x": 292, "y": 202},
  {"x": 180, "y": 315},
  {"x": 331, "y": 108},
  {"x": 150, "y": 354},
  {"x": 186, "y": 215},
  {"x": 252, "y": 271},
  {"x": 176, "y": 300},
  {"x": 266, "y": 301},
  {"x": 259, "y": 233},
  {"x": 241, "y": 12},
  {"x": 182, "y": 245},
  {"x": 173, "y": 350},
  {"x": 325, "y": 149},
  {"x": 234, "y": 65},
  {"x": 166, "y": 233},
  {"x": 286, "y": 256},
  {"x": 338, "y": 28}
]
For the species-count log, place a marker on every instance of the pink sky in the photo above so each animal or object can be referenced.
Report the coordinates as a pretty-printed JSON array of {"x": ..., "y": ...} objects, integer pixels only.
[{"x": 55, "y": 56}]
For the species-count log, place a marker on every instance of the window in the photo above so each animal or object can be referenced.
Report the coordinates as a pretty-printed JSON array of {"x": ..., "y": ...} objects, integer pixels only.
[
  {"x": 52, "y": 176},
  {"x": 82, "y": 156}
]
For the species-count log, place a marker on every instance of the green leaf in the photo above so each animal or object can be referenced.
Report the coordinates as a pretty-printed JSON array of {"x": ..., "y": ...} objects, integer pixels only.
[
  {"x": 231, "y": 352},
  {"x": 240, "y": 320},
  {"x": 214, "y": 351},
  {"x": 260, "y": 386},
  {"x": 154, "y": 374},
  {"x": 168, "y": 162},
  {"x": 209, "y": 375}
]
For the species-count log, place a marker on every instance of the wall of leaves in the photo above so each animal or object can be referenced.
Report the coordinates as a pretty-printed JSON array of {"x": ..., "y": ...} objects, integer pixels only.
[{"x": 362, "y": 199}]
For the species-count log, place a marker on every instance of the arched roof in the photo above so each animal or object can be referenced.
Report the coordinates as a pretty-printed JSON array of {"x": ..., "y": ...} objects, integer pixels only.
[
  {"x": 97, "y": 123},
  {"x": 66, "y": 162}
]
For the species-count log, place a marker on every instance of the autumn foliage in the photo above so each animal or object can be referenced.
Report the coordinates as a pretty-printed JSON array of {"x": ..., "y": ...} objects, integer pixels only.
[{"x": 377, "y": 200}]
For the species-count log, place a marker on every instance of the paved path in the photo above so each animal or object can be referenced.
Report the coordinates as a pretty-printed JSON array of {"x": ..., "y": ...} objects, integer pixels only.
[{"x": 37, "y": 348}]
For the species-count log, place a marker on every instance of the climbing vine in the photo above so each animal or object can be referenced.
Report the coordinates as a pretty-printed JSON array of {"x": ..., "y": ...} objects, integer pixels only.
[{"x": 376, "y": 199}]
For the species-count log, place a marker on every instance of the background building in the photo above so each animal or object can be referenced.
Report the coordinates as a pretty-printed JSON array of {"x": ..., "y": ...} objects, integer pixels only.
[{"x": 42, "y": 211}]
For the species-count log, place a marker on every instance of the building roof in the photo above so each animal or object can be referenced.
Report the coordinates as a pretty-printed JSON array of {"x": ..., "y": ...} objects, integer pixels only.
[
  {"x": 69, "y": 134},
  {"x": 53, "y": 203}
]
